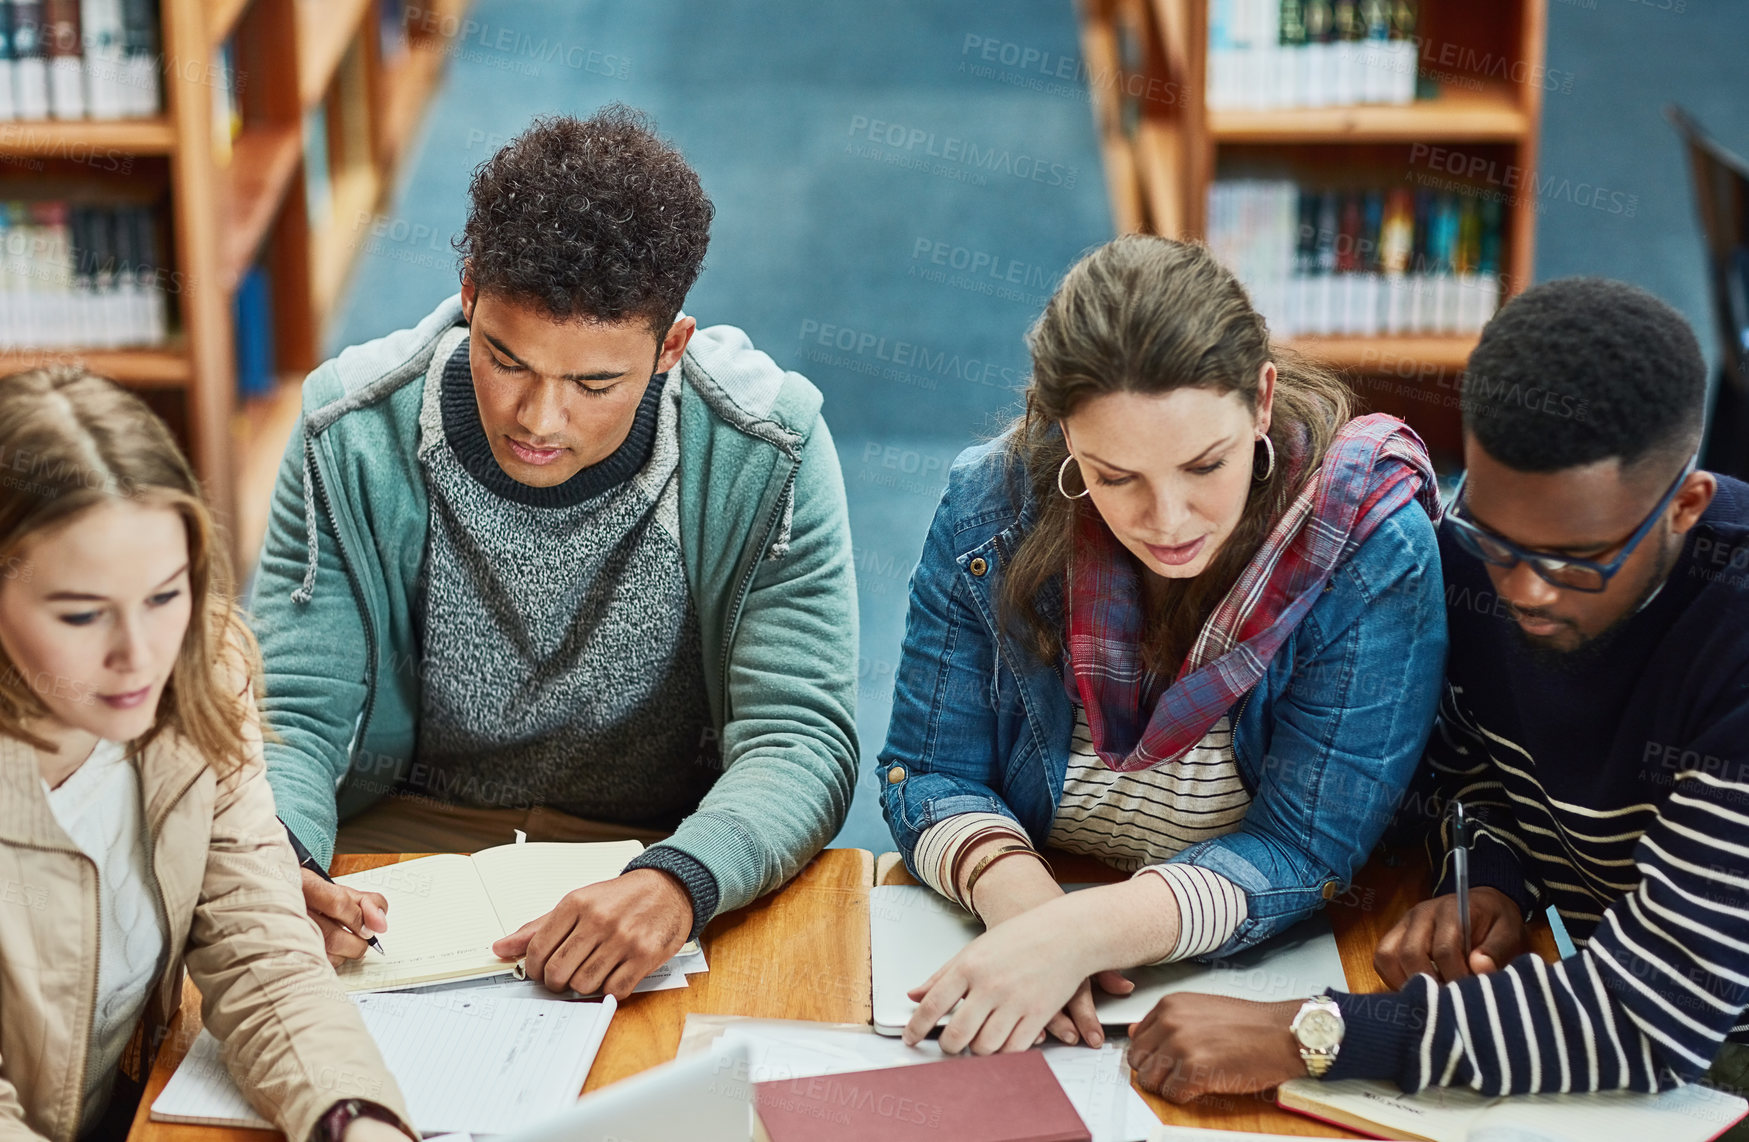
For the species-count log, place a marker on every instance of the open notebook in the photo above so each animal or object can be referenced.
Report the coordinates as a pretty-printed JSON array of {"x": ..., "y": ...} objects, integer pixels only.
[
  {"x": 1443, "y": 1114},
  {"x": 446, "y": 911},
  {"x": 913, "y": 931},
  {"x": 479, "y": 1064}
]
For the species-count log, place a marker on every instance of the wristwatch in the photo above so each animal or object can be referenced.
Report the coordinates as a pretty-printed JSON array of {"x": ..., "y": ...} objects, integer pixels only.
[{"x": 1318, "y": 1027}]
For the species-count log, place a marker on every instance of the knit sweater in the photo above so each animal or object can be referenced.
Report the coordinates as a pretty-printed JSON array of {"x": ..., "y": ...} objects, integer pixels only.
[
  {"x": 561, "y": 657},
  {"x": 1612, "y": 783}
]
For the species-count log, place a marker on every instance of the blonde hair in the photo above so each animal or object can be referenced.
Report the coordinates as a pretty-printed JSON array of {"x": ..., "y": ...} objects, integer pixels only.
[
  {"x": 72, "y": 441},
  {"x": 1143, "y": 314}
]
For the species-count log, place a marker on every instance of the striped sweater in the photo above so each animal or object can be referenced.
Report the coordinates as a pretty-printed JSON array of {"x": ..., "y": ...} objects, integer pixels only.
[
  {"x": 1613, "y": 784},
  {"x": 1132, "y": 821}
]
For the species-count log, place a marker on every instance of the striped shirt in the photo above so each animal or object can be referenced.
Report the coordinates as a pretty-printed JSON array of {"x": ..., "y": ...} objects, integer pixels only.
[
  {"x": 1613, "y": 784},
  {"x": 1134, "y": 822}
]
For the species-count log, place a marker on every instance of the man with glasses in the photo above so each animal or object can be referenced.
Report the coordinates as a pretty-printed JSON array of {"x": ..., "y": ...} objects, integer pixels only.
[{"x": 1595, "y": 726}]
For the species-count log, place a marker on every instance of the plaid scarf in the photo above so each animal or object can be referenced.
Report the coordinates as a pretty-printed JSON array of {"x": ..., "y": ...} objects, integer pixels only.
[{"x": 1375, "y": 465}]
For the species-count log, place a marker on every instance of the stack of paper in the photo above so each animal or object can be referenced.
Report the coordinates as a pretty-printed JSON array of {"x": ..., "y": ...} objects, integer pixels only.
[{"x": 478, "y": 1064}]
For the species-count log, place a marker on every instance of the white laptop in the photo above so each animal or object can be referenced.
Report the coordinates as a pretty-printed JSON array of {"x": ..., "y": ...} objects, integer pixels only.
[
  {"x": 701, "y": 1098},
  {"x": 913, "y": 931}
]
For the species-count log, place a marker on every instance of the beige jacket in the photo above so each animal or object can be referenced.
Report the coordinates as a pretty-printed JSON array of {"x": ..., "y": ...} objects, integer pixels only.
[{"x": 235, "y": 914}]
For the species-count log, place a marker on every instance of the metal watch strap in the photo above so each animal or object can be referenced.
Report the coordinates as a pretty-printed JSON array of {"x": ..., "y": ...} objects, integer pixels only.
[{"x": 1318, "y": 1060}]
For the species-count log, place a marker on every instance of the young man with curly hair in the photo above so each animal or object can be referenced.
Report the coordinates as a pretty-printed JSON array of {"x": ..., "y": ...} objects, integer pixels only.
[
  {"x": 558, "y": 560},
  {"x": 1595, "y": 724}
]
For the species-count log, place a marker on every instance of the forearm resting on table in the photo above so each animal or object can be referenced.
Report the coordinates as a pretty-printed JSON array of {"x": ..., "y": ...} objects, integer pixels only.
[{"x": 1119, "y": 925}]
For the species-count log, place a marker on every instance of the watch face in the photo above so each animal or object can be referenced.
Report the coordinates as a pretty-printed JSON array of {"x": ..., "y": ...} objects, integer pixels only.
[{"x": 1319, "y": 1030}]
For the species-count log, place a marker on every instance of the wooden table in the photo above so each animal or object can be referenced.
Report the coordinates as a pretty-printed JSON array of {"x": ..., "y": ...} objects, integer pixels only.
[
  {"x": 801, "y": 953},
  {"x": 1381, "y": 894}
]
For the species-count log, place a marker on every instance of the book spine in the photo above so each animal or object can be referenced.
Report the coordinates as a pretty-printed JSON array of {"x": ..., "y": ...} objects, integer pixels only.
[
  {"x": 54, "y": 263},
  {"x": 1292, "y": 58},
  {"x": 30, "y": 67},
  {"x": 152, "y": 275},
  {"x": 142, "y": 92},
  {"x": 9, "y": 285},
  {"x": 82, "y": 305},
  {"x": 8, "y": 102},
  {"x": 1348, "y": 52},
  {"x": 1405, "y": 50},
  {"x": 105, "y": 84},
  {"x": 1376, "y": 60},
  {"x": 65, "y": 51},
  {"x": 1320, "y": 53}
]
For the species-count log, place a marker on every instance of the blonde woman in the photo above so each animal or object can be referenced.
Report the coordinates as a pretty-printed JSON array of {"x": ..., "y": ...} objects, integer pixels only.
[{"x": 137, "y": 832}]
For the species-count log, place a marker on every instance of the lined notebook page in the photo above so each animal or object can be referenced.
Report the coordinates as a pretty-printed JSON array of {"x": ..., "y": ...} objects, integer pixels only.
[
  {"x": 472, "y": 1064},
  {"x": 1686, "y": 1114},
  {"x": 525, "y": 881},
  {"x": 441, "y": 924}
]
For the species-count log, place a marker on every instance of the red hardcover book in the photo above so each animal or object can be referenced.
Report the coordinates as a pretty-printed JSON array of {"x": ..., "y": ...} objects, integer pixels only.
[{"x": 993, "y": 1098}]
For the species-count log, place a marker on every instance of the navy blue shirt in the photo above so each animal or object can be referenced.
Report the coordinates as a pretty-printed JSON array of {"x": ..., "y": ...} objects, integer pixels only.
[{"x": 1613, "y": 784}]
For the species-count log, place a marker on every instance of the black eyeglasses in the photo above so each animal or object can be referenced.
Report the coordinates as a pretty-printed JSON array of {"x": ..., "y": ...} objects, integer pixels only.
[{"x": 1558, "y": 570}]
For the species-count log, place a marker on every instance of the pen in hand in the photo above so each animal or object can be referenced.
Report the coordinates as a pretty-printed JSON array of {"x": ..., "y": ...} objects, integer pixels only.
[
  {"x": 1460, "y": 863},
  {"x": 316, "y": 868}
]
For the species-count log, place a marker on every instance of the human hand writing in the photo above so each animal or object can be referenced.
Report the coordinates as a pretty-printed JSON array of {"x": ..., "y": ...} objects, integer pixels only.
[
  {"x": 346, "y": 916},
  {"x": 1430, "y": 939}
]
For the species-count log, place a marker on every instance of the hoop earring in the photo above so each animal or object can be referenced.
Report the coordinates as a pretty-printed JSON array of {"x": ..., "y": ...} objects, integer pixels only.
[
  {"x": 1269, "y": 447},
  {"x": 1064, "y": 467}
]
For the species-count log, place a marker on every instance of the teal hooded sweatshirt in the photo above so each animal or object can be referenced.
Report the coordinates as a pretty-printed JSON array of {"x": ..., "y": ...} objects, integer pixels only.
[{"x": 765, "y": 537}]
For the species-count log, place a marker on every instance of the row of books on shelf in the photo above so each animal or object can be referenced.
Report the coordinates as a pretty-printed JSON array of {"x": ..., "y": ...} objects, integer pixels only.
[
  {"x": 1364, "y": 262},
  {"x": 1266, "y": 54},
  {"x": 80, "y": 59},
  {"x": 81, "y": 275}
]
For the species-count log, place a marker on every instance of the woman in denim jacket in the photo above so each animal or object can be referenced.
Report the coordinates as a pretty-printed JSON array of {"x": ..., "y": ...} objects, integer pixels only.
[{"x": 1185, "y": 617}]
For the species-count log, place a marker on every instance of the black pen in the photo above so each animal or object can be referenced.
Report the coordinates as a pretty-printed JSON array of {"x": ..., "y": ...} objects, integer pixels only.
[{"x": 1460, "y": 858}]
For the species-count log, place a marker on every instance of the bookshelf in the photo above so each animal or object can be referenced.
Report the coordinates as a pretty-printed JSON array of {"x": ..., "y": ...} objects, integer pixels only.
[
  {"x": 1482, "y": 81},
  {"x": 225, "y": 213}
]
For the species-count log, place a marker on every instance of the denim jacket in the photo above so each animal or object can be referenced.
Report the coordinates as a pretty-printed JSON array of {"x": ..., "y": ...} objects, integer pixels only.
[{"x": 1325, "y": 743}]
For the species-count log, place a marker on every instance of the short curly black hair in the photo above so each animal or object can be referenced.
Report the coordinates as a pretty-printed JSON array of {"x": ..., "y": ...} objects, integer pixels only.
[
  {"x": 594, "y": 218},
  {"x": 1580, "y": 370}
]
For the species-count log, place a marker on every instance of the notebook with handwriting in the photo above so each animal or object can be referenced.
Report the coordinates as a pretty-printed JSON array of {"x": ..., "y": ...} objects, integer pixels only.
[
  {"x": 475, "y": 1064},
  {"x": 913, "y": 931},
  {"x": 990, "y": 1098},
  {"x": 446, "y": 911},
  {"x": 1447, "y": 1114}
]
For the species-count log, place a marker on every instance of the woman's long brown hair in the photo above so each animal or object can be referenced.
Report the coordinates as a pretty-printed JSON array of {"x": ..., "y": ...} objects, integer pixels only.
[
  {"x": 1149, "y": 315},
  {"x": 73, "y": 441}
]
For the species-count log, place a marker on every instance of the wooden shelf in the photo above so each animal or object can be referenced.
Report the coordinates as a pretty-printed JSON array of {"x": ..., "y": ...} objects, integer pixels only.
[
  {"x": 79, "y": 138},
  {"x": 263, "y": 160},
  {"x": 165, "y": 368},
  {"x": 326, "y": 29},
  {"x": 259, "y": 432},
  {"x": 410, "y": 80},
  {"x": 1388, "y": 354},
  {"x": 334, "y": 246},
  {"x": 221, "y": 20},
  {"x": 1493, "y": 114}
]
